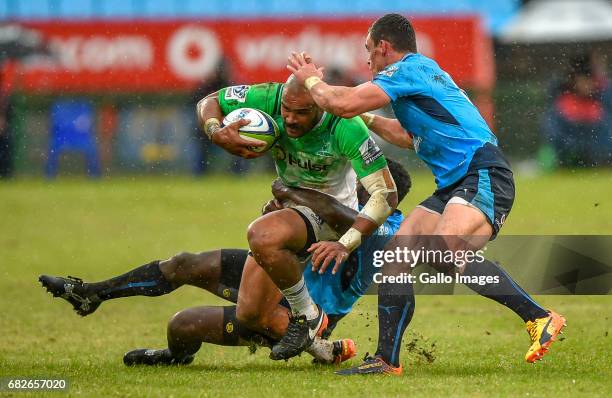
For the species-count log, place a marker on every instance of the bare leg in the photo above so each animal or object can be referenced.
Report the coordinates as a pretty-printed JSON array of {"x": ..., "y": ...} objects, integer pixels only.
[
  {"x": 274, "y": 239},
  {"x": 258, "y": 300}
]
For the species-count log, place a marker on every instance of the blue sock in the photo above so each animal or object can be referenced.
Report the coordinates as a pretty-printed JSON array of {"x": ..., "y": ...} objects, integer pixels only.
[
  {"x": 395, "y": 309},
  {"x": 507, "y": 292}
]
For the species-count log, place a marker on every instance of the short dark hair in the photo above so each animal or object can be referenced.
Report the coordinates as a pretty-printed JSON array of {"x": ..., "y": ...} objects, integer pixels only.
[
  {"x": 401, "y": 178},
  {"x": 397, "y": 30}
]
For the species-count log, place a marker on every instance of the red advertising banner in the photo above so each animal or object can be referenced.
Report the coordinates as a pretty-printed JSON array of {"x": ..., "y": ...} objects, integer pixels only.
[{"x": 153, "y": 56}]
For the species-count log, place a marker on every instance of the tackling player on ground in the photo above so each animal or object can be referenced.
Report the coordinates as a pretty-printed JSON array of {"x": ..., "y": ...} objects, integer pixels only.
[
  {"x": 475, "y": 187},
  {"x": 220, "y": 272}
]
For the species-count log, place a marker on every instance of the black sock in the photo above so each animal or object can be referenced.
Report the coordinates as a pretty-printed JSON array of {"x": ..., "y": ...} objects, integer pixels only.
[
  {"x": 507, "y": 292},
  {"x": 395, "y": 309},
  {"x": 146, "y": 280},
  {"x": 234, "y": 331}
]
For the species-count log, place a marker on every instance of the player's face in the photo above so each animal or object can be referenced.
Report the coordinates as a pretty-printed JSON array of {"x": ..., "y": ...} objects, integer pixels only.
[
  {"x": 300, "y": 113},
  {"x": 376, "y": 59}
]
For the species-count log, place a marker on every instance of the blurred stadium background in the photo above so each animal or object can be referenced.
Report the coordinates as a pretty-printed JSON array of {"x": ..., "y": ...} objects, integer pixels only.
[
  {"x": 130, "y": 71},
  {"x": 109, "y": 87}
]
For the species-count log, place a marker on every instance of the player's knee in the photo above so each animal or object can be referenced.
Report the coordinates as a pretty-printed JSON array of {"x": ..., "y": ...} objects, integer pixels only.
[
  {"x": 183, "y": 258},
  {"x": 263, "y": 240},
  {"x": 250, "y": 317},
  {"x": 174, "y": 267},
  {"x": 181, "y": 324}
]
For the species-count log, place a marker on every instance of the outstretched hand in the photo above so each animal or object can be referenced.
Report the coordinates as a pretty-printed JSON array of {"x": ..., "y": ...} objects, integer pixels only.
[
  {"x": 324, "y": 252},
  {"x": 300, "y": 64},
  {"x": 230, "y": 139}
]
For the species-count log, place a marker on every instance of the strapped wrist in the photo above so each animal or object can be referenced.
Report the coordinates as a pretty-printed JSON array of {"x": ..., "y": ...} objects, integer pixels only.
[
  {"x": 368, "y": 118},
  {"x": 351, "y": 239},
  {"x": 311, "y": 81},
  {"x": 211, "y": 126}
]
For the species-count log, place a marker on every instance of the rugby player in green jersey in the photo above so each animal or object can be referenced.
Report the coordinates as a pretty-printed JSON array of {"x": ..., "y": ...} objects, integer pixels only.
[
  {"x": 220, "y": 271},
  {"x": 316, "y": 150}
]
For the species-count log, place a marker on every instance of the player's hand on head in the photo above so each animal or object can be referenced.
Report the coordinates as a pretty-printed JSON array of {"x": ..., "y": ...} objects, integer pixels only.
[
  {"x": 229, "y": 139},
  {"x": 323, "y": 253},
  {"x": 307, "y": 57},
  {"x": 272, "y": 205},
  {"x": 302, "y": 67}
]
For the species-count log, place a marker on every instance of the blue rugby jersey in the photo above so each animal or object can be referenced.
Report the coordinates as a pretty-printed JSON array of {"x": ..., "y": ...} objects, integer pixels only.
[
  {"x": 450, "y": 135},
  {"x": 327, "y": 290}
]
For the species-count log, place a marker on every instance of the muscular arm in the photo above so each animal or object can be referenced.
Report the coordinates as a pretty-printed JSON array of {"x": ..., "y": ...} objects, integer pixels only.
[
  {"x": 388, "y": 129},
  {"x": 342, "y": 101},
  {"x": 348, "y": 102},
  {"x": 382, "y": 202},
  {"x": 208, "y": 107},
  {"x": 334, "y": 213},
  {"x": 227, "y": 137}
]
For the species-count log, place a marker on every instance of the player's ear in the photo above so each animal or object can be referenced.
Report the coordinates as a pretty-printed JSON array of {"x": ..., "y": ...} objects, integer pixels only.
[{"x": 385, "y": 47}]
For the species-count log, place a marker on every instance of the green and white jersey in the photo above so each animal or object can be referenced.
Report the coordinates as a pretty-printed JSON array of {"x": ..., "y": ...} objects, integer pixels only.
[{"x": 326, "y": 159}]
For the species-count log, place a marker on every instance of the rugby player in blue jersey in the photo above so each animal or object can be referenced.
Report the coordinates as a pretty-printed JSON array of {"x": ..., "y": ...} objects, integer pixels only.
[{"x": 475, "y": 186}]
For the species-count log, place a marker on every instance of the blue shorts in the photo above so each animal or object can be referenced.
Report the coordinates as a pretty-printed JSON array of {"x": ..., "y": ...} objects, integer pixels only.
[{"x": 491, "y": 190}]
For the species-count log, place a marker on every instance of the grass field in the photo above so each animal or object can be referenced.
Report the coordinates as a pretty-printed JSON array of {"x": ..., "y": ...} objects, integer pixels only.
[{"x": 98, "y": 229}]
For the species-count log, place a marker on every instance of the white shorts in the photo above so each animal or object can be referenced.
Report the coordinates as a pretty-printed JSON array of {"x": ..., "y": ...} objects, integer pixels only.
[{"x": 320, "y": 229}]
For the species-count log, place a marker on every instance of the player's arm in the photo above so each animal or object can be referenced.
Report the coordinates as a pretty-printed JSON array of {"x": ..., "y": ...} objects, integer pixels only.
[
  {"x": 370, "y": 165},
  {"x": 388, "y": 129},
  {"x": 380, "y": 205},
  {"x": 346, "y": 102},
  {"x": 210, "y": 115},
  {"x": 342, "y": 101},
  {"x": 382, "y": 202},
  {"x": 334, "y": 213}
]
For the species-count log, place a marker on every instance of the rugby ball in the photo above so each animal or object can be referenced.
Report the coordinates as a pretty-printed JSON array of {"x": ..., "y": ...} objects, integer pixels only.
[{"x": 262, "y": 128}]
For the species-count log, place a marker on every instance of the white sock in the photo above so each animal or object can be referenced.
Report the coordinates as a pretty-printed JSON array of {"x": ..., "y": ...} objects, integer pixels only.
[
  {"x": 300, "y": 301},
  {"x": 322, "y": 350}
]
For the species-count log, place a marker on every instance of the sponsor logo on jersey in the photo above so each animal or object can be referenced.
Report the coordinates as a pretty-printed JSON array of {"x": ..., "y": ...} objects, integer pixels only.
[
  {"x": 306, "y": 164},
  {"x": 389, "y": 71},
  {"x": 384, "y": 230},
  {"x": 416, "y": 142},
  {"x": 369, "y": 151},
  {"x": 237, "y": 93},
  {"x": 325, "y": 151}
]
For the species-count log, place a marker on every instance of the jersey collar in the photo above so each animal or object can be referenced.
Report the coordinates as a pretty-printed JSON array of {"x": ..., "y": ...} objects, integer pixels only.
[
  {"x": 320, "y": 121},
  {"x": 405, "y": 57}
]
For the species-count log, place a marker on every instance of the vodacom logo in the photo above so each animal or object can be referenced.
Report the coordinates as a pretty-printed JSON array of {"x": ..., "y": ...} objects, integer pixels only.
[{"x": 193, "y": 52}]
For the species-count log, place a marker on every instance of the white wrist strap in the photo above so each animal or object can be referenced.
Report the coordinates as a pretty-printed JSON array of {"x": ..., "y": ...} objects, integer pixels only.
[{"x": 351, "y": 239}]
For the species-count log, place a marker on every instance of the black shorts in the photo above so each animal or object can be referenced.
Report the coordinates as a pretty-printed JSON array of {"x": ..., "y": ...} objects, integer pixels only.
[{"x": 491, "y": 190}]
